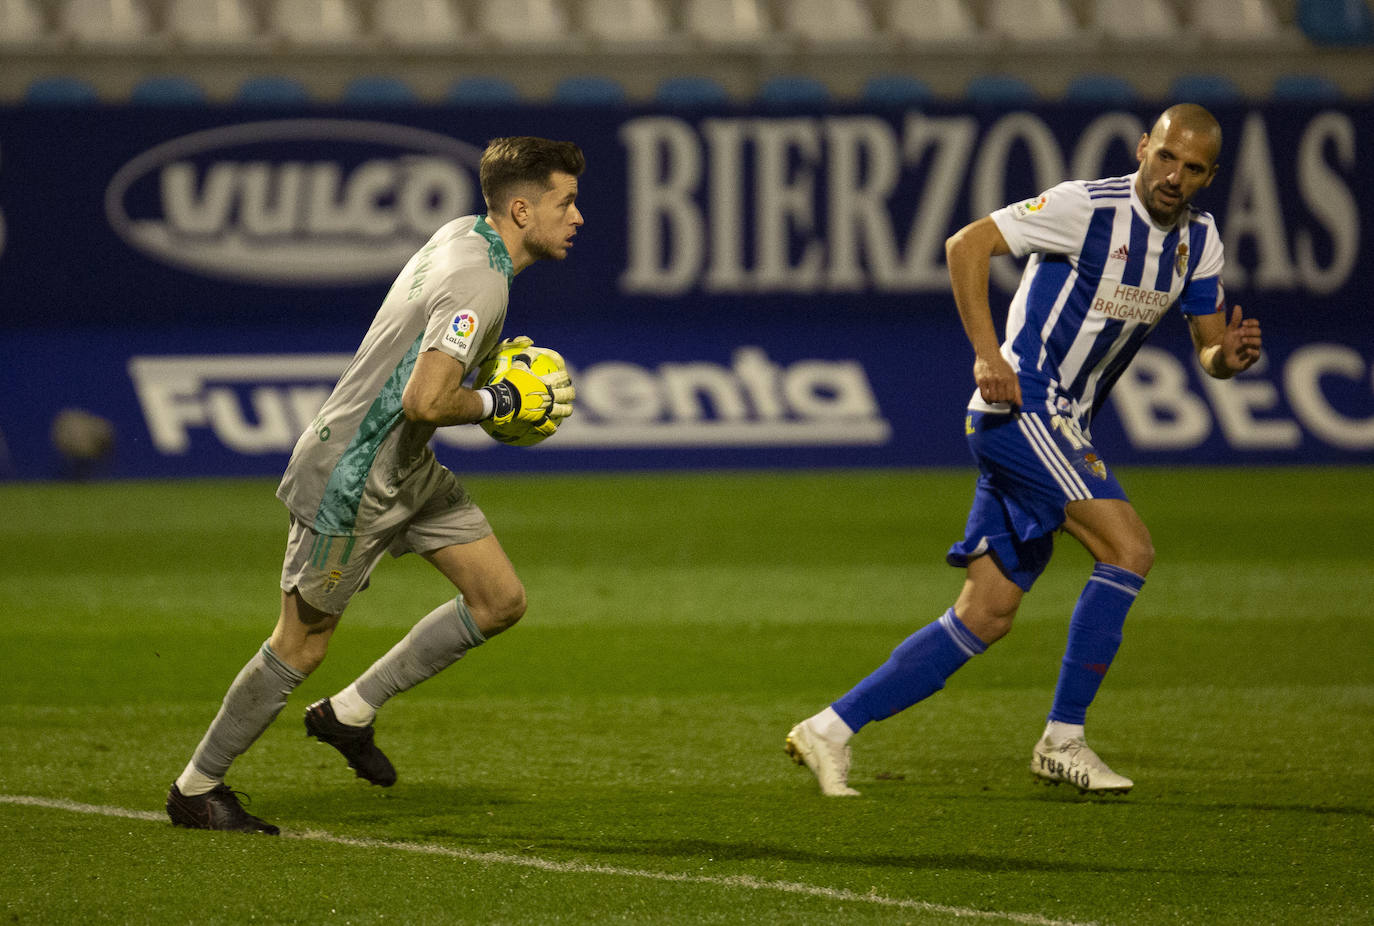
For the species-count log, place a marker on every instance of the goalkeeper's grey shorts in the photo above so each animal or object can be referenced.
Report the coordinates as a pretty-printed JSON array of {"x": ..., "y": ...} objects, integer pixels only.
[{"x": 328, "y": 570}]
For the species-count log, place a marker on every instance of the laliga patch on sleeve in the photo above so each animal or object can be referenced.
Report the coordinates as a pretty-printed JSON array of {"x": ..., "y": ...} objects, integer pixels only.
[
  {"x": 462, "y": 331},
  {"x": 1030, "y": 206}
]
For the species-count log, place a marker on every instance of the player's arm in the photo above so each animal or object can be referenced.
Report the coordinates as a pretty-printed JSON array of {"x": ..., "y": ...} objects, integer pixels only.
[
  {"x": 435, "y": 394},
  {"x": 1225, "y": 348},
  {"x": 969, "y": 254}
]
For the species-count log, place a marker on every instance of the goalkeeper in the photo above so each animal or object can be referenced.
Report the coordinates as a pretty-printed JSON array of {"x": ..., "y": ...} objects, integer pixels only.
[{"x": 363, "y": 481}]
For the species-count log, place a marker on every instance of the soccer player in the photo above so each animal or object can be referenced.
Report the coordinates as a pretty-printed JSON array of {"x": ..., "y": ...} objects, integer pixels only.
[
  {"x": 1108, "y": 259},
  {"x": 363, "y": 481}
]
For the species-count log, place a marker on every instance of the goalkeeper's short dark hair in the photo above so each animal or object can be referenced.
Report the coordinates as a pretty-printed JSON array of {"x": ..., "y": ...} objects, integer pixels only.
[{"x": 509, "y": 164}]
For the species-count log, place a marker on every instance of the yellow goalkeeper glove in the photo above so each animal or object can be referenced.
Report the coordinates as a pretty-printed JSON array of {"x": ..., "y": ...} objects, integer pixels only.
[
  {"x": 519, "y": 342},
  {"x": 519, "y": 395},
  {"x": 561, "y": 388}
]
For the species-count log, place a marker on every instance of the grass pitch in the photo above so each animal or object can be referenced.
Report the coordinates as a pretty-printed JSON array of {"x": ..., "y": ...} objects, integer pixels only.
[{"x": 617, "y": 757}]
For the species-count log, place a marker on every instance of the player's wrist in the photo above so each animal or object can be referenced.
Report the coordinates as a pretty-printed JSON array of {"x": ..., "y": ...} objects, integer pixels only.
[
  {"x": 1214, "y": 362},
  {"x": 488, "y": 402},
  {"x": 505, "y": 400}
]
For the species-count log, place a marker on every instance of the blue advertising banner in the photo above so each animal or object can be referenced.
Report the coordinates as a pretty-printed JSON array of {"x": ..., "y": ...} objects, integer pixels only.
[{"x": 751, "y": 288}]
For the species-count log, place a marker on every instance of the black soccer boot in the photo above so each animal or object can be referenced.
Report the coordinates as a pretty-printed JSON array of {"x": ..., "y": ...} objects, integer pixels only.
[
  {"x": 216, "y": 809},
  {"x": 355, "y": 743}
]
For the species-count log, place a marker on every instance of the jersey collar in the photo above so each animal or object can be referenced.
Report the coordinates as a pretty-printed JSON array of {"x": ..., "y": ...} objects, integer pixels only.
[{"x": 497, "y": 255}]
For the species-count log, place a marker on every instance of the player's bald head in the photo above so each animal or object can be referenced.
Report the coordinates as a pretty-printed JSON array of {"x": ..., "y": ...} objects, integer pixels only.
[
  {"x": 1178, "y": 158},
  {"x": 1192, "y": 119}
]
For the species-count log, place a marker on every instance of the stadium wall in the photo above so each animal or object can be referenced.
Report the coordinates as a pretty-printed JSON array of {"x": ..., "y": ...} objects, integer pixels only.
[{"x": 753, "y": 287}]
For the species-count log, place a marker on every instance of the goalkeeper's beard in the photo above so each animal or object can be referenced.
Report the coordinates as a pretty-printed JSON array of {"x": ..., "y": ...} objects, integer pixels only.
[{"x": 541, "y": 250}]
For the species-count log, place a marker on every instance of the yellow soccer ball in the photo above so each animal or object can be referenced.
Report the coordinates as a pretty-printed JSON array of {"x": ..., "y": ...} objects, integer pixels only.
[{"x": 541, "y": 361}]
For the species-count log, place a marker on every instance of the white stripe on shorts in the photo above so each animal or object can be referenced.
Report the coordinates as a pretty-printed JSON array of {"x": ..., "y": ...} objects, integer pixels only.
[{"x": 1043, "y": 445}]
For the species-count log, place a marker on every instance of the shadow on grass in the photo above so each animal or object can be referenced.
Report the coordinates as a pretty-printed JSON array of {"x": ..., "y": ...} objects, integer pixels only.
[
  {"x": 1314, "y": 809},
  {"x": 1044, "y": 793},
  {"x": 1064, "y": 794},
  {"x": 695, "y": 849},
  {"x": 496, "y": 820}
]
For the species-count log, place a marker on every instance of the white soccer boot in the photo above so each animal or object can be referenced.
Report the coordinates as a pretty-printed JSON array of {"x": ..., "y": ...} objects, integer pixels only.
[
  {"x": 828, "y": 760},
  {"x": 1074, "y": 762}
]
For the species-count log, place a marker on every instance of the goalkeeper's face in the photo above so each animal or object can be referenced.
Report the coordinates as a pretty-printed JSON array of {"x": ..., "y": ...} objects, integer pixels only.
[{"x": 554, "y": 219}]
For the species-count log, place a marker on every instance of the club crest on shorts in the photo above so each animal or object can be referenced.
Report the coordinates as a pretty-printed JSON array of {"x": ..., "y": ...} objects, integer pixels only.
[{"x": 1095, "y": 465}]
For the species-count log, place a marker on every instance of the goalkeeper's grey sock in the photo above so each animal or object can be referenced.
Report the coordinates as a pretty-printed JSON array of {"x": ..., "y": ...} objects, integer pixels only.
[
  {"x": 435, "y": 643},
  {"x": 192, "y": 782},
  {"x": 253, "y": 701}
]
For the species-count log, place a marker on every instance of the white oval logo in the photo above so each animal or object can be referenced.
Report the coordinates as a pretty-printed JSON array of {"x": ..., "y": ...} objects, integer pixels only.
[{"x": 316, "y": 202}]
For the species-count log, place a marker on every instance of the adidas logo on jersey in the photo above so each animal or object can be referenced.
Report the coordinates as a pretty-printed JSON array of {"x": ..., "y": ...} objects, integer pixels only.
[{"x": 1120, "y": 253}]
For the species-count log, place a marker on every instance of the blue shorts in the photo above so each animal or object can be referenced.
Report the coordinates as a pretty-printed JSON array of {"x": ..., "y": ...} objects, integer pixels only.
[{"x": 1030, "y": 466}]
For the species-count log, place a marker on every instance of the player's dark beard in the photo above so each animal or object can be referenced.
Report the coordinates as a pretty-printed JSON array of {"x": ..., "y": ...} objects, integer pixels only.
[
  {"x": 1162, "y": 212},
  {"x": 539, "y": 250}
]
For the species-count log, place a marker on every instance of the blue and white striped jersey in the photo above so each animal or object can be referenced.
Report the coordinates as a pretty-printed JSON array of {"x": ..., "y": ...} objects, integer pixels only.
[{"x": 1101, "y": 275}]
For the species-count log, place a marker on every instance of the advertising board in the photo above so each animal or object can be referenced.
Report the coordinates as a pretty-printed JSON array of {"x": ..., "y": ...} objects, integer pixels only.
[{"x": 751, "y": 288}]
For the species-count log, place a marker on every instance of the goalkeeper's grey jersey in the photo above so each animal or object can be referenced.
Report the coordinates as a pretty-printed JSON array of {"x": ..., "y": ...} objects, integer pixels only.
[{"x": 354, "y": 468}]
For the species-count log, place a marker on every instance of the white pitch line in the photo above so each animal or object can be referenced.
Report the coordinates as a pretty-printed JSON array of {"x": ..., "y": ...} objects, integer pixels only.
[{"x": 744, "y": 882}]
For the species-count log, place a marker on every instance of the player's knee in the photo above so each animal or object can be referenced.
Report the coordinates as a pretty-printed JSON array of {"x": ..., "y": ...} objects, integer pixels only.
[
  {"x": 311, "y": 654},
  {"x": 988, "y": 602},
  {"x": 501, "y": 611},
  {"x": 1137, "y": 554},
  {"x": 301, "y": 638},
  {"x": 987, "y": 619},
  {"x": 302, "y": 652},
  {"x": 1144, "y": 558},
  {"x": 514, "y": 607},
  {"x": 989, "y": 625}
]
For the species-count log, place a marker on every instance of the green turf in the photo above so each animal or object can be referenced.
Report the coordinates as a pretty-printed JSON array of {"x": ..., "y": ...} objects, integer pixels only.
[{"x": 617, "y": 757}]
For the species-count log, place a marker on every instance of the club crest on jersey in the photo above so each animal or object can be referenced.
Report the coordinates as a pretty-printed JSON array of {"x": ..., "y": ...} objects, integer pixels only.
[
  {"x": 1029, "y": 207},
  {"x": 1181, "y": 259},
  {"x": 461, "y": 331}
]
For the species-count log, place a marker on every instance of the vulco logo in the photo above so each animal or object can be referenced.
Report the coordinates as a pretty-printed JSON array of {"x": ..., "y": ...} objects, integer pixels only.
[
  {"x": 261, "y": 404},
  {"x": 295, "y": 201}
]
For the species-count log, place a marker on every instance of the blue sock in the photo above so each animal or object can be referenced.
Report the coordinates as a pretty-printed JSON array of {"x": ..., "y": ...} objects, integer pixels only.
[
  {"x": 1094, "y": 635},
  {"x": 916, "y": 670}
]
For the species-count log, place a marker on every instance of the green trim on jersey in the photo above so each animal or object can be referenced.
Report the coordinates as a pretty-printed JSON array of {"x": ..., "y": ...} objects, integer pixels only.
[
  {"x": 497, "y": 255},
  {"x": 338, "y": 511}
]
